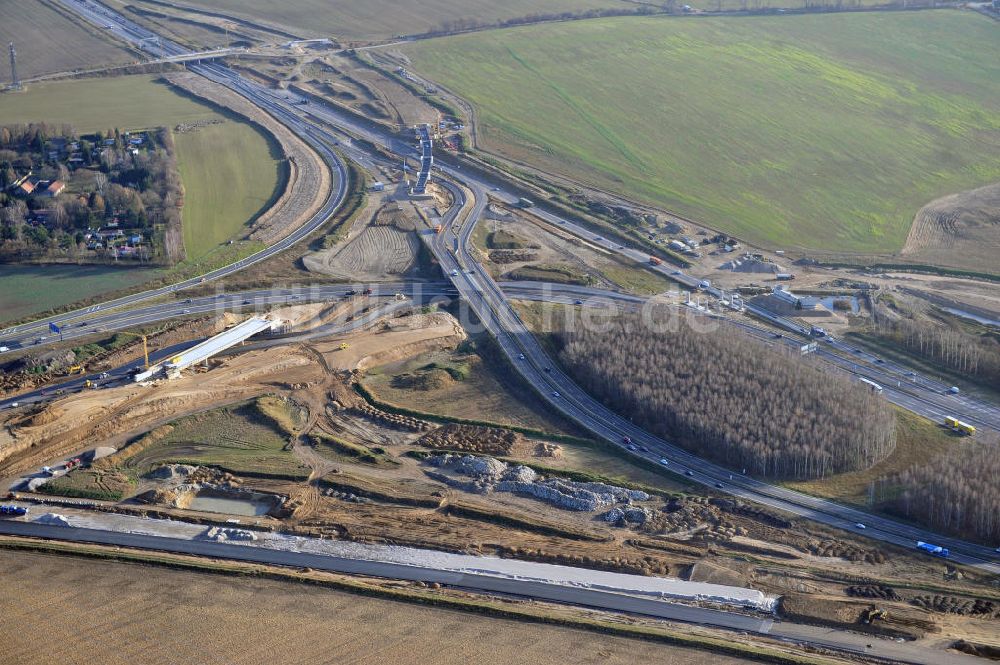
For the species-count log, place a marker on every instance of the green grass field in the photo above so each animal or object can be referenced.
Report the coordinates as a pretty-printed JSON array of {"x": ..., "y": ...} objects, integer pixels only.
[
  {"x": 825, "y": 132},
  {"x": 129, "y": 102},
  {"x": 28, "y": 290},
  {"x": 237, "y": 438},
  {"x": 382, "y": 19},
  {"x": 47, "y": 41},
  {"x": 230, "y": 174}
]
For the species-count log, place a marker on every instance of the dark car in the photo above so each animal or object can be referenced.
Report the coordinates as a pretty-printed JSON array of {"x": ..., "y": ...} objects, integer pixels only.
[
  {"x": 247, "y": 302},
  {"x": 718, "y": 485},
  {"x": 548, "y": 369},
  {"x": 689, "y": 473}
]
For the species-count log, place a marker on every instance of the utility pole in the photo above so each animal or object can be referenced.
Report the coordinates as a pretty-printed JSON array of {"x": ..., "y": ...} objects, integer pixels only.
[{"x": 15, "y": 82}]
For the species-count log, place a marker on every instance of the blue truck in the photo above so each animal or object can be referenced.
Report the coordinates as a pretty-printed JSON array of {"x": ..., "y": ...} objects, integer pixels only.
[
  {"x": 10, "y": 509},
  {"x": 936, "y": 550}
]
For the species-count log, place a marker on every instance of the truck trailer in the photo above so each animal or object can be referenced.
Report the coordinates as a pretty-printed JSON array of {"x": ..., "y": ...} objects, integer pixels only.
[
  {"x": 959, "y": 426},
  {"x": 936, "y": 550}
]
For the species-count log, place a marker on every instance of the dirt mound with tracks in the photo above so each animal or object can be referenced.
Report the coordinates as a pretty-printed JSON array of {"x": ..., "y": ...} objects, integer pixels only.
[
  {"x": 960, "y": 230},
  {"x": 388, "y": 247}
]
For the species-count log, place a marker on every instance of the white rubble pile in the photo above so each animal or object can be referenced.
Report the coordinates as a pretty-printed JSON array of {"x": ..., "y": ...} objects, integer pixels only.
[
  {"x": 626, "y": 515},
  {"x": 55, "y": 519},
  {"x": 491, "y": 475},
  {"x": 222, "y": 533}
]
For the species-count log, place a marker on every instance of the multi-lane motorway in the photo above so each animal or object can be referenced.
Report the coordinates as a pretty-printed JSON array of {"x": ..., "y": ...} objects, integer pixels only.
[{"x": 314, "y": 123}]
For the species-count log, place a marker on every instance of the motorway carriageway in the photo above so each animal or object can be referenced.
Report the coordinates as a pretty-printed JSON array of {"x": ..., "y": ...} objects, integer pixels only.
[{"x": 490, "y": 304}]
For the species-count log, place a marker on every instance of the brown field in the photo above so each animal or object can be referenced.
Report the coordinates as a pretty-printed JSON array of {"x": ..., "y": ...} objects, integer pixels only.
[
  {"x": 960, "y": 231},
  {"x": 382, "y": 19},
  {"x": 108, "y": 612},
  {"x": 47, "y": 41}
]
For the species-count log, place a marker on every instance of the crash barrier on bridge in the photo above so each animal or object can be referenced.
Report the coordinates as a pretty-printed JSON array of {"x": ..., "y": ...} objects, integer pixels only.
[
  {"x": 426, "y": 160},
  {"x": 212, "y": 346}
]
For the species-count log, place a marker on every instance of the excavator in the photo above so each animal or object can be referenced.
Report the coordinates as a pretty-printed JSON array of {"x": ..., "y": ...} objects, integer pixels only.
[
  {"x": 76, "y": 369},
  {"x": 873, "y": 614}
]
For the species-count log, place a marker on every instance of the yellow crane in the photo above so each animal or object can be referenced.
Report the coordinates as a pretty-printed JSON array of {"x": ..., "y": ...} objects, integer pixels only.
[{"x": 145, "y": 348}]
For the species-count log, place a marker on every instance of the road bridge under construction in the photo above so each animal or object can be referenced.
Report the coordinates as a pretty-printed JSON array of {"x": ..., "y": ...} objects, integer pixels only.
[{"x": 172, "y": 367}]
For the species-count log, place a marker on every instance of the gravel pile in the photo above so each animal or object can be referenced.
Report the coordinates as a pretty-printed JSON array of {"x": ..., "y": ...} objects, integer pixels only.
[{"x": 486, "y": 474}]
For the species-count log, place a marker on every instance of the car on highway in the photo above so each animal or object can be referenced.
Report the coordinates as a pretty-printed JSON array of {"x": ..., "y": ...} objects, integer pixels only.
[
  {"x": 555, "y": 393},
  {"x": 676, "y": 272},
  {"x": 247, "y": 302},
  {"x": 718, "y": 486},
  {"x": 632, "y": 447},
  {"x": 520, "y": 356},
  {"x": 778, "y": 335},
  {"x": 454, "y": 273},
  {"x": 689, "y": 473},
  {"x": 577, "y": 302},
  {"x": 187, "y": 311},
  {"x": 879, "y": 361},
  {"x": 188, "y": 301},
  {"x": 664, "y": 462},
  {"x": 859, "y": 525},
  {"x": 627, "y": 440},
  {"x": 547, "y": 370},
  {"x": 953, "y": 390},
  {"x": 4, "y": 349}
]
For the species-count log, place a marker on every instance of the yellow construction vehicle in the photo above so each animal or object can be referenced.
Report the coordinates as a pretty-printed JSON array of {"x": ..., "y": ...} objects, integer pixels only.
[
  {"x": 76, "y": 369},
  {"x": 145, "y": 348},
  {"x": 872, "y": 614},
  {"x": 343, "y": 346}
]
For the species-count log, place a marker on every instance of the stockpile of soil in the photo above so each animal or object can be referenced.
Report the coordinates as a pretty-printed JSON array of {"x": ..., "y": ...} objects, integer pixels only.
[{"x": 471, "y": 438}]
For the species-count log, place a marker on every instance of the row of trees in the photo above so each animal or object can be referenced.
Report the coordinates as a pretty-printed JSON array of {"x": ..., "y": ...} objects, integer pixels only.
[
  {"x": 957, "y": 493},
  {"x": 731, "y": 398},
  {"x": 950, "y": 346}
]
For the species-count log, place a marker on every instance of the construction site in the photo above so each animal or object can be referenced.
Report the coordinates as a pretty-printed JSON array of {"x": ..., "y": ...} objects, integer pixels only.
[
  {"x": 272, "y": 441},
  {"x": 343, "y": 417}
]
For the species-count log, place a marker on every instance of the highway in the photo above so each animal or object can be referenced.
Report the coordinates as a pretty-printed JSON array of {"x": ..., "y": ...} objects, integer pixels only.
[{"x": 488, "y": 301}]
